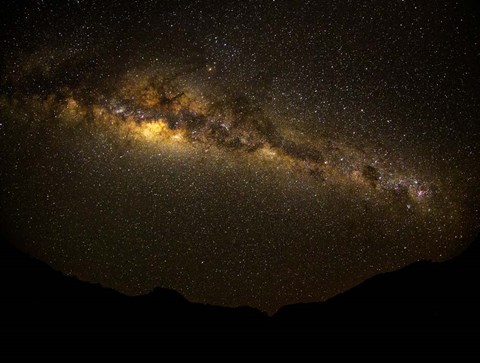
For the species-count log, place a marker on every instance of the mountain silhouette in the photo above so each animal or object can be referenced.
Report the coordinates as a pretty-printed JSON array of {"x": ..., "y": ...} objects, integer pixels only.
[{"x": 424, "y": 308}]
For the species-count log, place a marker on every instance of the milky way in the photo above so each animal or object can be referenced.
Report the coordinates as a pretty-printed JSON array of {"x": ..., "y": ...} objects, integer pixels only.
[{"x": 260, "y": 154}]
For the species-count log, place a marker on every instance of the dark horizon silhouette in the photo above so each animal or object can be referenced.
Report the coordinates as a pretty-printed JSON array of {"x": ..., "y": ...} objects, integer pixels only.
[{"x": 424, "y": 308}]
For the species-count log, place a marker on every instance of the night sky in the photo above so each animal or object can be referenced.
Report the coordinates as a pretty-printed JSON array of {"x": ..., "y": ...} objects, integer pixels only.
[{"x": 254, "y": 153}]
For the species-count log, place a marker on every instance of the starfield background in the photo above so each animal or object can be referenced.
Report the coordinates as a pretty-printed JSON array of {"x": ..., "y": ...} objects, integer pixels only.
[{"x": 207, "y": 174}]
